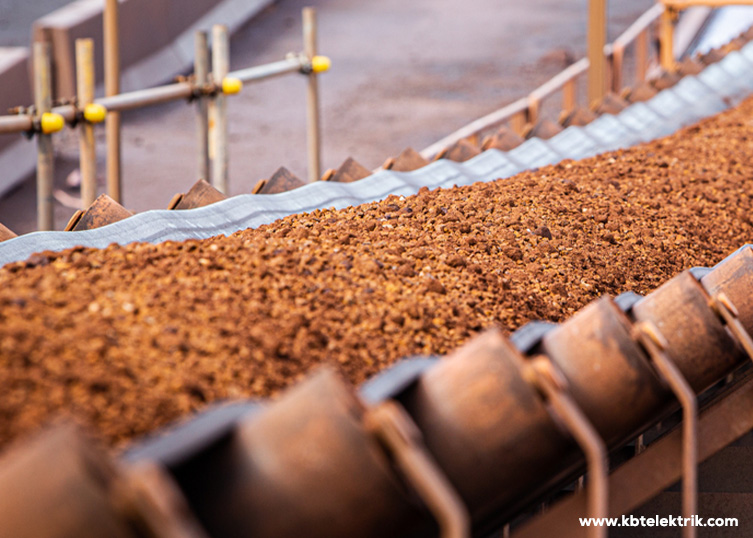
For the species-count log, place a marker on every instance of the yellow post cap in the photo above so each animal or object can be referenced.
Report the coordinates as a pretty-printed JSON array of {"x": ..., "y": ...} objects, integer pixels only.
[
  {"x": 320, "y": 64},
  {"x": 95, "y": 113},
  {"x": 231, "y": 86},
  {"x": 50, "y": 122}
]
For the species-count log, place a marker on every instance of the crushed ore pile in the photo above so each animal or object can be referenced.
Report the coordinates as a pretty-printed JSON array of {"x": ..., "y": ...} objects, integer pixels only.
[{"x": 127, "y": 339}]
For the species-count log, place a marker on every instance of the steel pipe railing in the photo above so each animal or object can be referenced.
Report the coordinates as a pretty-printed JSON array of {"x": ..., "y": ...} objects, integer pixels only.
[
  {"x": 525, "y": 110},
  {"x": 209, "y": 90},
  {"x": 45, "y": 154},
  {"x": 111, "y": 34},
  {"x": 292, "y": 64}
]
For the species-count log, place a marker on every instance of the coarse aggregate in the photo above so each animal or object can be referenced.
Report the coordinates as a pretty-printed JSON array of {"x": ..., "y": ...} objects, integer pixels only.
[{"x": 127, "y": 339}]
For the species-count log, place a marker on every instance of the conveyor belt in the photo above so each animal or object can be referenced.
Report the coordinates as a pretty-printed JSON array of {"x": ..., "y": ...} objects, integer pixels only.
[
  {"x": 482, "y": 426},
  {"x": 718, "y": 87}
]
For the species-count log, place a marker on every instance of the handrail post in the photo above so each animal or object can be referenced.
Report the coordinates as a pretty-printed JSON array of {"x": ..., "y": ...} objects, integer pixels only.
[
  {"x": 112, "y": 87},
  {"x": 518, "y": 122},
  {"x": 218, "y": 109},
  {"x": 617, "y": 57},
  {"x": 597, "y": 37},
  {"x": 312, "y": 97},
  {"x": 641, "y": 56},
  {"x": 569, "y": 96},
  {"x": 667, "y": 55},
  {"x": 201, "y": 74},
  {"x": 85, "y": 91},
  {"x": 532, "y": 112},
  {"x": 45, "y": 156}
]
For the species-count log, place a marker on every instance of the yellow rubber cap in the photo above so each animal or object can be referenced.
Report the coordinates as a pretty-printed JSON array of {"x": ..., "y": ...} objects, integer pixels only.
[
  {"x": 320, "y": 64},
  {"x": 94, "y": 113},
  {"x": 231, "y": 86},
  {"x": 51, "y": 123}
]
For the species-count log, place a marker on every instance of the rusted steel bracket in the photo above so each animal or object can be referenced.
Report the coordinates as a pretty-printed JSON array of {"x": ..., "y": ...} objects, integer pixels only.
[
  {"x": 402, "y": 439},
  {"x": 150, "y": 499},
  {"x": 655, "y": 345},
  {"x": 726, "y": 310},
  {"x": 641, "y": 478},
  {"x": 543, "y": 375},
  {"x": 102, "y": 212}
]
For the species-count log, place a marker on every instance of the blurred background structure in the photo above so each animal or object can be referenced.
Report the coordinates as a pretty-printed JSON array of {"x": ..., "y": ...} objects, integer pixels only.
[{"x": 404, "y": 74}]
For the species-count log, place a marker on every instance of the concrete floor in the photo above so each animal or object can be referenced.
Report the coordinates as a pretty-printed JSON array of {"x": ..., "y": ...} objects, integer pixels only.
[
  {"x": 16, "y": 17},
  {"x": 403, "y": 74}
]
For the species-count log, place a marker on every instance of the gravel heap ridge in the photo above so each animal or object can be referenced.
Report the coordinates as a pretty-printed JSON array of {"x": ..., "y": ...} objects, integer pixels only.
[{"x": 126, "y": 339}]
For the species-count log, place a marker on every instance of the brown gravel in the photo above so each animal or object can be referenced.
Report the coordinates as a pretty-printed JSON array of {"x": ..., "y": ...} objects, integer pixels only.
[{"x": 129, "y": 338}]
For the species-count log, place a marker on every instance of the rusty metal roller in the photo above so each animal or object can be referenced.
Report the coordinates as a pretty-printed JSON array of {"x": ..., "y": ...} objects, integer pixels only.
[
  {"x": 281, "y": 181},
  {"x": 666, "y": 80},
  {"x": 578, "y": 117},
  {"x": 734, "y": 277},
  {"x": 611, "y": 104},
  {"x": 608, "y": 373},
  {"x": 408, "y": 160},
  {"x": 460, "y": 151},
  {"x": 544, "y": 129},
  {"x": 689, "y": 66},
  {"x": 504, "y": 140},
  {"x": 697, "y": 341},
  {"x": 307, "y": 466},
  {"x": 5, "y": 233},
  {"x": 712, "y": 56},
  {"x": 350, "y": 170},
  {"x": 102, "y": 212},
  {"x": 200, "y": 195},
  {"x": 642, "y": 92},
  {"x": 59, "y": 486},
  {"x": 487, "y": 427}
]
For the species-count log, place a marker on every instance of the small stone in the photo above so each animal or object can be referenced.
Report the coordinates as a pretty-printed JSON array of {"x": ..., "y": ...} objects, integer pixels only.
[
  {"x": 456, "y": 261},
  {"x": 435, "y": 286},
  {"x": 543, "y": 231}
]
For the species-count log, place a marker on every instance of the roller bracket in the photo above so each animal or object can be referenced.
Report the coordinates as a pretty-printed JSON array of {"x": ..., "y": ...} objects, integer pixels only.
[
  {"x": 401, "y": 438},
  {"x": 730, "y": 315},
  {"x": 551, "y": 383},
  {"x": 655, "y": 345}
]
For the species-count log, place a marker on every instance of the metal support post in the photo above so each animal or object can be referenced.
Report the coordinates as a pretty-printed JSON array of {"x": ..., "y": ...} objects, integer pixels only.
[
  {"x": 569, "y": 96},
  {"x": 85, "y": 90},
  {"x": 518, "y": 122},
  {"x": 112, "y": 87},
  {"x": 45, "y": 157},
  {"x": 218, "y": 110},
  {"x": 641, "y": 56},
  {"x": 666, "y": 39},
  {"x": 597, "y": 37},
  {"x": 617, "y": 60},
  {"x": 201, "y": 74},
  {"x": 312, "y": 97},
  {"x": 532, "y": 112}
]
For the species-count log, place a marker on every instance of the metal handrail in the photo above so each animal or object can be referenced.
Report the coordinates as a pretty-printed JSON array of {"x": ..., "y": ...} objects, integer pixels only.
[
  {"x": 560, "y": 79},
  {"x": 210, "y": 92},
  {"x": 19, "y": 123},
  {"x": 684, "y": 4},
  {"x": 490, "y": 120},
  {"x": 529, "y": 105},
  {"x": 640, "y": 25}
]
